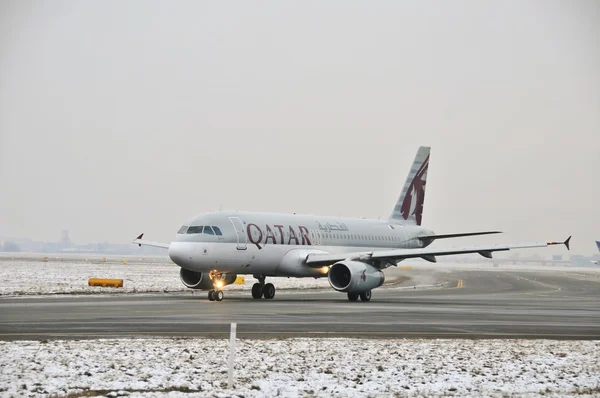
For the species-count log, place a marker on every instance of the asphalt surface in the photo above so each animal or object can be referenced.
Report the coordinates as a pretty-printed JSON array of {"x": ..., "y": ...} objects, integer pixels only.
[{"x": 475, "y": 304}]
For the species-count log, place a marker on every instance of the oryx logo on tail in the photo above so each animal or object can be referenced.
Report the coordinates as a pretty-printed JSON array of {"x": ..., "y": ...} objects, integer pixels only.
[
  {"x": 409, "y": 208},
  {"x": 413, "y": 201}
]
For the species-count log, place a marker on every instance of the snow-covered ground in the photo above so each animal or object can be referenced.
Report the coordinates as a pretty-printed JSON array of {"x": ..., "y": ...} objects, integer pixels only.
[
  {"x": 301, "y": 367},
  {"x": 68, "y": 274},
  {"x": 29, "y": 277}
]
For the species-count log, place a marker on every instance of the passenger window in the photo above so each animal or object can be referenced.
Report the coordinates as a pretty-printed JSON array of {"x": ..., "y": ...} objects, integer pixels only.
[
  {"x": 195, "y": 230},
  {"x": 217, "y": 230},
  {"x": 208, "y": 230},
  {"x": 183, "y": 229}
]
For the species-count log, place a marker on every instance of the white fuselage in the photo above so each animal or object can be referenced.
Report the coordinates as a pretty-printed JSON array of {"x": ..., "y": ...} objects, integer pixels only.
[{"x": 272, "y": 244}]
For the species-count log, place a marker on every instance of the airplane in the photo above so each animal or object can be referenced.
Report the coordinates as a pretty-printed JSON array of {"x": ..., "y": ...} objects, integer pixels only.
[
  {"x": 213, "y": 248},
  {"x": 598, "y": 245}
]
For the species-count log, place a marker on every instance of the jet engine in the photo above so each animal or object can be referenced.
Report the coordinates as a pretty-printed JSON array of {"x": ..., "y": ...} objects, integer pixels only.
[
  {"x": 354, "y": 277},
  {"x": 199, "y": 280}
]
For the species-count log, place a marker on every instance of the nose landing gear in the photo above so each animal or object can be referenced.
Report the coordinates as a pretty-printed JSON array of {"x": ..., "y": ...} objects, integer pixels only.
[
  {"x": 216, "y": 294},
  {"x": 261, "y": 289}
]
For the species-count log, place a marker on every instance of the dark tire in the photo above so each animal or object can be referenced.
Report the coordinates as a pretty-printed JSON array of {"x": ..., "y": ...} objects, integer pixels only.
[
  {"x": 352, "y": 296},
  {"x": 218, "y": 295},
  {"x": 366, "y": 296},
  {"x": 211, "y": 295},
  {"x": 268, "y": 291},
  {"x": 257, "y": 292}
]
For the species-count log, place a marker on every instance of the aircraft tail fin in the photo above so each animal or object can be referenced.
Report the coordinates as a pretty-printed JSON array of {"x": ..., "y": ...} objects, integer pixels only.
[
  {"x": 409, "y": 208},
  {"x": 598, "y": 244}
]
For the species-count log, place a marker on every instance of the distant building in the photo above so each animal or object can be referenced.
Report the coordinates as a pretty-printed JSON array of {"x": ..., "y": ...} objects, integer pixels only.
[
  {"x": 65, "y": 241},
  {"x": 8, "y": 246}
]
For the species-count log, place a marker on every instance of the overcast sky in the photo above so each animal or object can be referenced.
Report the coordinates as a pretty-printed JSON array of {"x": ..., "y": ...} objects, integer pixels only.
[{"x": 124, "y": 117}]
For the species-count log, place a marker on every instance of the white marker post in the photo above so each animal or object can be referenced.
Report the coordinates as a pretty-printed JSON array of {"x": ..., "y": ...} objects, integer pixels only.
[{"x": 231, "y": 354}]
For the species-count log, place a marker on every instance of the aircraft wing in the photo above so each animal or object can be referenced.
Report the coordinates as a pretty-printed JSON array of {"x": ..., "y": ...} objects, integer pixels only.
[
  {"x": 139, "y": 241},
  {"x": 395, "y": 255},
  {"x": 460, "y": 235}
]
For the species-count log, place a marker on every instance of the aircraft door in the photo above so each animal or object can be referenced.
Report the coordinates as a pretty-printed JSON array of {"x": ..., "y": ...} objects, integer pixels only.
[
  {"x": 315, "y": 237},
  {"x": 242, "y": 242}
]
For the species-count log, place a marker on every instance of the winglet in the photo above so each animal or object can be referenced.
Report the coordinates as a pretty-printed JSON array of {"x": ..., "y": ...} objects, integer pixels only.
[
  {"x": 140, "y": 242},
  {"x": 566, "y": 243}
]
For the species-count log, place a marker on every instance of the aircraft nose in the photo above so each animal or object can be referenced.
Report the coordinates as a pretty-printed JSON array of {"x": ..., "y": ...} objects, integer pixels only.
[{"x": 179, "y": 254}]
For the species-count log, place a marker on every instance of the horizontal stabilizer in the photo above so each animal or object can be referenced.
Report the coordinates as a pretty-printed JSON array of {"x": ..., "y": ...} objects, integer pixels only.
[{"x": 446, "y": 236}]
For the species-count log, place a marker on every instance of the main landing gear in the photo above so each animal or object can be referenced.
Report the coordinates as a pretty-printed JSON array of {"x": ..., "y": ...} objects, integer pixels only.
[
  {"x": 261, "y": 289},
  {"x": 365, "y": 296}
]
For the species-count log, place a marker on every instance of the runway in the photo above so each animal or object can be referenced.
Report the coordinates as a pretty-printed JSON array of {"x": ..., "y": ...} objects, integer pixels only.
[{"x": 475, "y": 304}]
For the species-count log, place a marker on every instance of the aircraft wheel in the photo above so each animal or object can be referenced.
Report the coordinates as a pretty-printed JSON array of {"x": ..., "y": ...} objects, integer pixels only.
[
  {"x": 366, "y": 296},
  {"x": 218, "y": 295},
  {"x": 211, "y": 295},
  {"x": 352, "y": 296},
  {"x": 257, "y": 292},
  {"x": 268, "y": 291}
]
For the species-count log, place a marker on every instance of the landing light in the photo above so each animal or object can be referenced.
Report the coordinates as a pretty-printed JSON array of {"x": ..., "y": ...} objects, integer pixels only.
[{"x": 219, "y": 284}]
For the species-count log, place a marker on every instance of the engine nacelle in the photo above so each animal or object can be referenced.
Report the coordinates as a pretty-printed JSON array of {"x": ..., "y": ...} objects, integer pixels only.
[
  {"x": 354, "y": 277},
  {"x": 199, "y": 280}
]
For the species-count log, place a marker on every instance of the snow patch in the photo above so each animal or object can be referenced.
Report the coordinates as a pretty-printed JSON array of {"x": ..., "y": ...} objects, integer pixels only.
[
  {"x": 301, "y": 367},
  {"x": 71, "y": 277}
]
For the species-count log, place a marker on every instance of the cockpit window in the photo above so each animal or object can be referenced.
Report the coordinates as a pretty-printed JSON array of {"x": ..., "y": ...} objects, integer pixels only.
[
  {"x": 217, "y": 230},
  {"x": 195, "y": 230},
  {"x": 183, "y": 229},
  {"x": 208, "y": 230}
]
